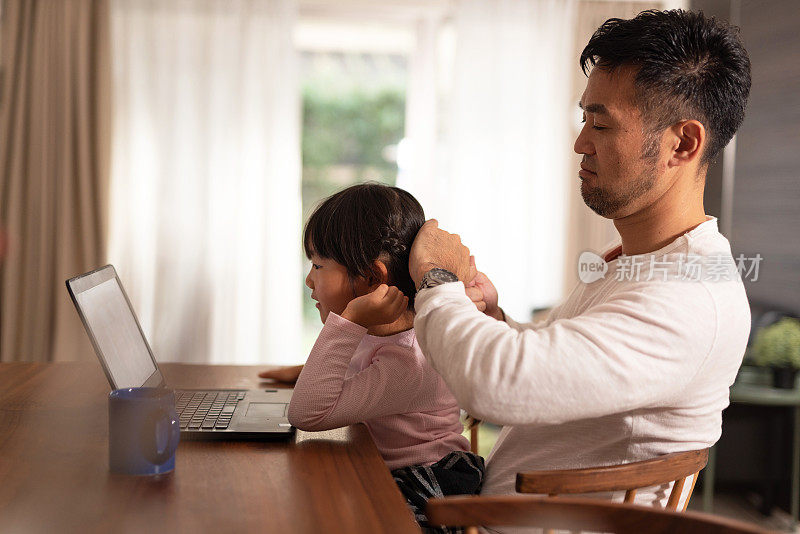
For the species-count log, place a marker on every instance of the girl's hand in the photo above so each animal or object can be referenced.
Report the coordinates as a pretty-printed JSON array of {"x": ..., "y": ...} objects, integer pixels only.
[
  {"x": 283, "y": 374},
  {"x": 383, "y": 306}
]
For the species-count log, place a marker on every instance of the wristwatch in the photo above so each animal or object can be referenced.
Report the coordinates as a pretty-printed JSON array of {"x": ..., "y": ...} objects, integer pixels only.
[{"x": 436, "y": 277}]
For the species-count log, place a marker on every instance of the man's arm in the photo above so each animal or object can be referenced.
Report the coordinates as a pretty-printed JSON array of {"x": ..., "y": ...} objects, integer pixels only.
[{"x": 639, "y": 349}]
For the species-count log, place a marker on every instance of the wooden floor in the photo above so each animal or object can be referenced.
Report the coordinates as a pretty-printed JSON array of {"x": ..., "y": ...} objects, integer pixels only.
[{"x": 745, "y": 508}]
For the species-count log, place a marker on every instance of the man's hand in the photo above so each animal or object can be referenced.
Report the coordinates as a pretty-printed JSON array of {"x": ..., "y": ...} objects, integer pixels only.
[
  {"x": 383, "y": 306},
  {"x": 482, "y": 292},
  {"x": 434, "y": 247},
  {"x": 283, "y": 374}
]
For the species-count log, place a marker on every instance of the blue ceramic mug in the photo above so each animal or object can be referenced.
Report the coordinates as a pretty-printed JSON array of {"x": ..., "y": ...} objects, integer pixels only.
[{"x": 143, "y": 431}]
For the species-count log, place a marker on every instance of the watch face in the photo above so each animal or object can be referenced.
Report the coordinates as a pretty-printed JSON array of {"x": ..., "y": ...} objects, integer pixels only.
[
  {"x": 443, "y": 275},
  {"x": 437, "y": 276}
]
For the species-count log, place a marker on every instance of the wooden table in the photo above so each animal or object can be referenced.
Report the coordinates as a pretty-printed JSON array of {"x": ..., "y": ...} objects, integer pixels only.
[{"x": 54, "y": 473}]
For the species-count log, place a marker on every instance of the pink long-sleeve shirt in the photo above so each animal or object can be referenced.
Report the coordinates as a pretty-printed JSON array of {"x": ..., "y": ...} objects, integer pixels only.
[{"x": 384, "y": 382}]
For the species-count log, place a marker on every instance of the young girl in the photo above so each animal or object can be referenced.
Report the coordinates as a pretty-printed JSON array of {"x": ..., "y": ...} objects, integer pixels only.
[{"x": 366, "y": 366}]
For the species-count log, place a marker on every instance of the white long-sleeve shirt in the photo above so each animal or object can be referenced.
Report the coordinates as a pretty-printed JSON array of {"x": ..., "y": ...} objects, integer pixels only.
[{"x": 627, "y": 368}]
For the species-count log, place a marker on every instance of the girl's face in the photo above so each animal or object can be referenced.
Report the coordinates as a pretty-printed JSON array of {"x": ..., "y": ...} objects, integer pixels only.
[{"x": 331, "y": 287}]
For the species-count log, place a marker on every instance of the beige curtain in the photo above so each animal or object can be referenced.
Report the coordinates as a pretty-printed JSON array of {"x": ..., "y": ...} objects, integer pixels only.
[{"x": 54, "y": 159}]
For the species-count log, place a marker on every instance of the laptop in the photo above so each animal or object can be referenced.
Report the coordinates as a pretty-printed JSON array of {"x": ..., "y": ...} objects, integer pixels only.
[{"x": 127, "y": 360}]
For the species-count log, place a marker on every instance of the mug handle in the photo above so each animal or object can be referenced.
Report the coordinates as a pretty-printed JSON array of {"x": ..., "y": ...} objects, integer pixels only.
[{"x": 148, "y": 440}]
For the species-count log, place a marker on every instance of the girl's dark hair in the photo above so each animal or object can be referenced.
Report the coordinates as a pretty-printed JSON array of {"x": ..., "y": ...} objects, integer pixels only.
[
  {"x": 688, "y": 67},
  {"x": 364, "y": 223}
]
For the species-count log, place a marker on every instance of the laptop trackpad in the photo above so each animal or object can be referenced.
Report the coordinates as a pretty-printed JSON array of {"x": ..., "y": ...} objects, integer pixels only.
[{"x": 265, "y": 409}]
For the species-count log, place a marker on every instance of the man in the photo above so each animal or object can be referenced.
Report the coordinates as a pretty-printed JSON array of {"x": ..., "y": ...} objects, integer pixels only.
[{"x": 637, "y": 363}]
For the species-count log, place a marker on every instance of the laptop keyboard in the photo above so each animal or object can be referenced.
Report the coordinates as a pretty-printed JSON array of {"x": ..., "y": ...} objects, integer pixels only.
[{"x": 206, "y": 410}]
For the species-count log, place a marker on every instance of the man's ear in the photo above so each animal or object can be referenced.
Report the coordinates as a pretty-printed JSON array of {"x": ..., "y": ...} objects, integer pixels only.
[
  {"x": 687, "y": 143},
  {"x": 379, "y": 274}
]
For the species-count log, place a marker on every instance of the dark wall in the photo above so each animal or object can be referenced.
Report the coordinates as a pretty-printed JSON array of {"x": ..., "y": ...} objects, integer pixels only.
[
  {"x": 766, "y": 194},
  {"x": 764, "y": 219},
  {"x": 766, "y": 190}
]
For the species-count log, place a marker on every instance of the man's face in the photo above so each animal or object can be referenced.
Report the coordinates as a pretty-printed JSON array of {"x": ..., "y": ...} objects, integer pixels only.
[{"x": 617, "y": 177}]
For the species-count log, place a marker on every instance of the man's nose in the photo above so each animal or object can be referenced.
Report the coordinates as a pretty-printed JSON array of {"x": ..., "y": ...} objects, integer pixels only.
[{"x": 582, "y": 144}]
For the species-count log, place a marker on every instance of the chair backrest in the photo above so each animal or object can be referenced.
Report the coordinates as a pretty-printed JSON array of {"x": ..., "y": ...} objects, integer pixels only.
[
  {"x": 577, "y": 514},
  {"x": 675, "y": 467}
]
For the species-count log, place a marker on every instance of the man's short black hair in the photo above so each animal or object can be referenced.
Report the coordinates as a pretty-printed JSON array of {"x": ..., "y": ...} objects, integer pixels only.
[{"x": 688, "y": 67}]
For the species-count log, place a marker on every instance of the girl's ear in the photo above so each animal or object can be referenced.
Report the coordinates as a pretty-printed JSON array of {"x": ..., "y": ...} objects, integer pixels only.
[{"x": 379, "y": 274}]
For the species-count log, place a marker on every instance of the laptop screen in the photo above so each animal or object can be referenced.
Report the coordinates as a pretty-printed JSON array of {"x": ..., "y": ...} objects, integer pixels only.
[{"x": 116, "y": 334}]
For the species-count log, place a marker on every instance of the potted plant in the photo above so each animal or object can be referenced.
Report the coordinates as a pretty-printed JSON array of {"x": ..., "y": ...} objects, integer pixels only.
[{"x": 778, "y": 347}]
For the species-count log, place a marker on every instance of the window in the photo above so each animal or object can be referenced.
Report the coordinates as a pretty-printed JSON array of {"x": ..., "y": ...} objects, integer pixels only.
[{"x": 353, "y": 81}]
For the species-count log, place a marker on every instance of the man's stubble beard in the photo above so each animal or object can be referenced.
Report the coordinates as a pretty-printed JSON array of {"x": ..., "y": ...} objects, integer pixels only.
[{"x": 607, "y": 202}]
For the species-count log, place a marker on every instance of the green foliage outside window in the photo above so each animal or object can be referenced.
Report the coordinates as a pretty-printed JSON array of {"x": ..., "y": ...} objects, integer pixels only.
[{"x": 346, "y": 138}]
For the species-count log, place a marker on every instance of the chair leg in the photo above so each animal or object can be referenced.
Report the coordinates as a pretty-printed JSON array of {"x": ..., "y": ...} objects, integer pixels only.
[
  {"x": 550, "y": 530},
  {"x": 630, "y": 495},
  {"x": 473, "y": 439},
  {"x": 691, "y": 490},
  {"x": 675, "y": 496},
  {"x": 471, "y": 530}
]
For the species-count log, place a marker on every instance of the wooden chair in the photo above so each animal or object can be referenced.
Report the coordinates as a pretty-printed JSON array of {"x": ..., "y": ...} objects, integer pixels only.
[
  {"x": 577, "y": 514},
  {"x": 675, "y": 467},
  {"x": 473, "y": 425},
  {"x": 473, "y": 438}
]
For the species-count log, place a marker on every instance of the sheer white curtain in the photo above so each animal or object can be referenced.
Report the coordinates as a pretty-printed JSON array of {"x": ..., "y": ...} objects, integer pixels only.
[
  {"x": 492, "y": 161},
  {"x": 205, "y": 185}
]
